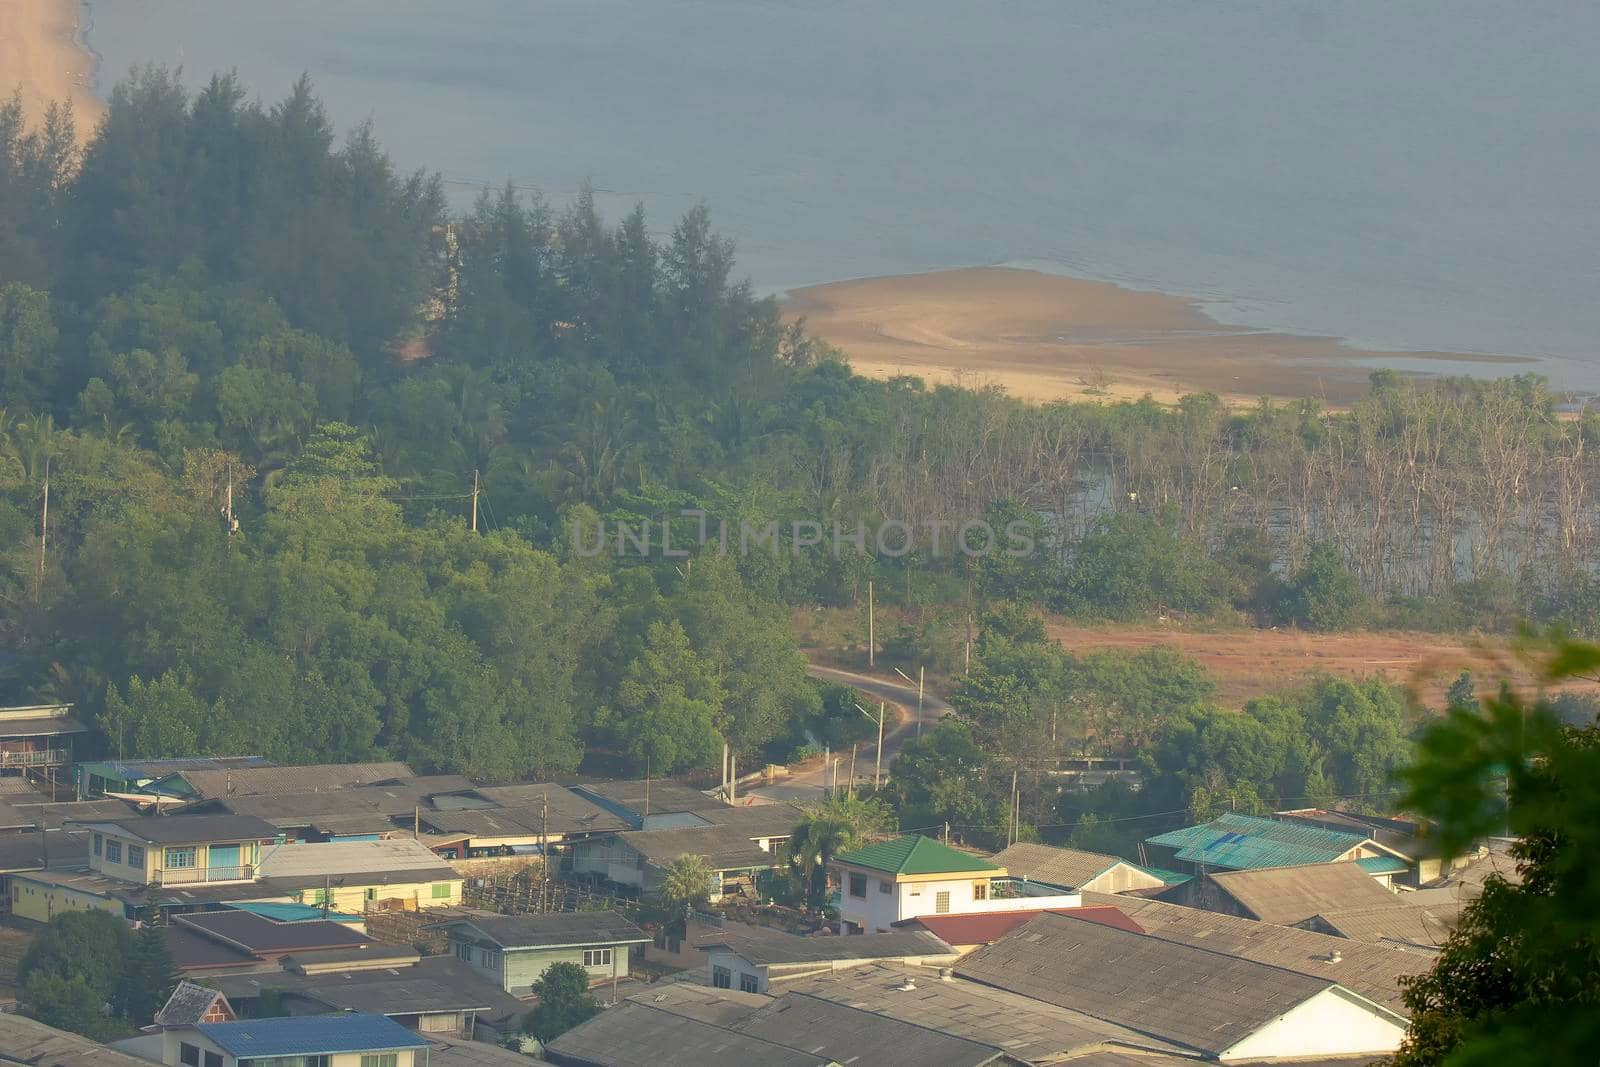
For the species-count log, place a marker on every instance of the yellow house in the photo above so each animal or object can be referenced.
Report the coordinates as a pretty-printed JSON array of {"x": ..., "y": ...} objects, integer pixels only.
[{"x": 179, "y": 863}]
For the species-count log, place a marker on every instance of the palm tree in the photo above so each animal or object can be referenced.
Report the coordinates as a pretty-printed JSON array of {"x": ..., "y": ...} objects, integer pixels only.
[
  {"x": 819, "y": 837},
  {"x": 686, "y": 883}
]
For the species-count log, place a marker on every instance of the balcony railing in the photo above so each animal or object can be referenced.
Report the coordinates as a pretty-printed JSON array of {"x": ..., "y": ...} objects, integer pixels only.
[
  {"x": 53, "y": 757},
  {"x": 196, "y": 875}
]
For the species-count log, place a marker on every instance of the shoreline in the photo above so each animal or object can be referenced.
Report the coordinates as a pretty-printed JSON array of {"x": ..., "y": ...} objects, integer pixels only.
[
  {"x": 1046, "y": 337},
  {"x": 45, "y": 52}
]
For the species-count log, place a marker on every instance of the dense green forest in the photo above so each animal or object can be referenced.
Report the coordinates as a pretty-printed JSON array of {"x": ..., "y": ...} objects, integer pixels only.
[{"x": 262, "y": 373}]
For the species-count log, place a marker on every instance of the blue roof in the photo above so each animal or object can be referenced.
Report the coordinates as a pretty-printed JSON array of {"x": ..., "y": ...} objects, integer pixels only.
[
  {"x": 1382, "y": 864},
  {"x": 1248, "y": 843},
  {"x": 310, "y": 1035}
]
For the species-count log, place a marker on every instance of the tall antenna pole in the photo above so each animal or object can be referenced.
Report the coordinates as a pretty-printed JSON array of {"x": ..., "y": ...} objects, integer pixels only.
[
  {"x": 872, "y": 633},
  {"x": 474, "y": 500},
  {"x": 227, "y": 507},
  {"x": 44, "y": 526}
]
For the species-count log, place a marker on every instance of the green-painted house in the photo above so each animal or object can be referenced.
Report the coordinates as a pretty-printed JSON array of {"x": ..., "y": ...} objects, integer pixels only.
[{"x": 514, "y": 951}]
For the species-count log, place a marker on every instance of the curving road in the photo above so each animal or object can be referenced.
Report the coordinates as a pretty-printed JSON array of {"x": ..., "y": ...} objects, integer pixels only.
[{"x": 807, "y": 786}]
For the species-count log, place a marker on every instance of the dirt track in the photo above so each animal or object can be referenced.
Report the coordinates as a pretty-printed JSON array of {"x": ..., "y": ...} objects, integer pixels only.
[{"x": 1252, "y": 663}]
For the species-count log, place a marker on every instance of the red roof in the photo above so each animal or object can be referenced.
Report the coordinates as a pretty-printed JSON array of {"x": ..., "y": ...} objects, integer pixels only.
[{"x": 985, "y": 927}]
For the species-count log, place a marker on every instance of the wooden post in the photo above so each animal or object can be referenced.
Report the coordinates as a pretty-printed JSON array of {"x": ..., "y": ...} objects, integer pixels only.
[
  {"x": 853, "y": 748},
  {"x": 920, "y": 672},
  {"x": 877, "y": 769}
]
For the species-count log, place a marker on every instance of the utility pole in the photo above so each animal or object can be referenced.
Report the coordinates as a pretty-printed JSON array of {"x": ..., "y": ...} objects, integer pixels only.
[
  {"x": 227, "y": 506},
  {"x": 921, "y": 673},
  {"x": 877, "y": 768},
  {"x": 474, "y": 500},
  {"x": 1013, "y": 831},
  {"x": 647, "y": 785},
  {"x": 44, "y": 527},
  {"x": 544, "y": 848},
  {"x": 853, "y": 747},
  {"x": 872, "y": 633}
]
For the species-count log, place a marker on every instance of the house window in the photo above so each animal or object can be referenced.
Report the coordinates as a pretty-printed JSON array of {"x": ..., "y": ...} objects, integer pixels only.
[
  {"x": 885, "y": 886},
  {"x": 597, "y": 957},
  {"x": 749, "y": 983},
  {"x": 721, "y": 977},
  {"x": 858, "y": 885},
  {"x": 464, "y": 951},
  {"x": 980, "y": 890},
  {"x": 385, "y": 1059},
  {"x": 441, "y": 890},
  {"x": 113, "y": 851},
  {"x": 136, "y": 856},
  {"x": 98, "y": 843},
  {"x": 372, "y": 893},
  {"x": 941, "y": 902},
  {"x": 188, "y": 1055},
  {"x": 177, "y": 858},
  {"x": 213, "y": 1059}
]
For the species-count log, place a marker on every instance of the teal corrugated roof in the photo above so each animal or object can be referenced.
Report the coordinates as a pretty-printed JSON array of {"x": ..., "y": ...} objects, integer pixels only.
[
  {"x": 1382, "y": 864},
  {"x": 1248, "y": 843},
  {"x": 1169, "y": 877}
]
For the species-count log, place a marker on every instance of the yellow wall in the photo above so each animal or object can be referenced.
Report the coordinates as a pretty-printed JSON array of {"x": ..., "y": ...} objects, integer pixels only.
[
  {"x": 352, "y": 898},
  {"x": 155, "y": 858},
  {"x": 39, "y": 901}
]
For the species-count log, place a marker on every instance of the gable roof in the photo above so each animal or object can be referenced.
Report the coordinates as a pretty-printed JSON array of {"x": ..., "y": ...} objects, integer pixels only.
[
  {"x": 188, "y": 1004},
  {"x": 1191, "y": 996},
  {"x": 1374, "y": 971},
  {"x": 980, "y": 928},
  {"x": 1246, "y": 842},
  {"x": 311, "y": 778},
  {"x": 310, "y": 1035},
  {"x": 724, "y": 848},
  {"x": 550, "y": 930},
  {"x": 1068, "y": 867},
  {"x": 430, "y": 984},
  {"x": 23, "y": 1040},
  {"x": 1029, "y": 1030},
  {"x": 195, "y": 829},
  {"x": 915, "y": 854},
  {"x": 848, "y": 1035},
  {"x": 638, "y": 1032},
  {"x": 261, "y": 936},
  {"x": 764, "y": 946},
  {"x": 1399, "y": 922},
  {"x": 1288, "y": 895}
]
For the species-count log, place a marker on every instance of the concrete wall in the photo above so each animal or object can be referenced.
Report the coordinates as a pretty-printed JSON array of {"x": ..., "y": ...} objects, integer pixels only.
[
  {"x": 155, "y": 857},
  {"x": 1121, "y": 879},
  {"x": 738, "y": 968},
  {"x": 1332, "y": 1023},
  {"x": 515, "y": 972},
  {"x": 611, "y": 858}
]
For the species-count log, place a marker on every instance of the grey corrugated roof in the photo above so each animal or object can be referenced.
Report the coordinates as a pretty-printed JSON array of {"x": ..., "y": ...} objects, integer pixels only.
[
  {"x": 639, "y": 1034},
  {"x": 513, "y": 810},
  {"x": 554, "y": 928},
  {"x": 1288, "y": 895},
  {"x": 23, "y": 1040},
  {"x": 847, "y": 1035},
  {"x": 261, "y": 936},
  {"x": 1371, "y": 970},
  {"x": 723, "y": 848},
  {"x": 1424, "y": 925},
  {"x": 767, "y": 947},
  {"x": 1028, "y": 1030},
  {"x": 1190, "y": 996},
  {"x": 1058, "y": 866},
  {"x": 195, "y": 829},
  {"x": 312, "y": 778},
  {"x": 720, "y": 1007},
  {"x": 187, "y": 1005},
  {"x": 430, "y": 984},
  {"x": 44, "y": 726},
  {"x": 633, "y": 795}
]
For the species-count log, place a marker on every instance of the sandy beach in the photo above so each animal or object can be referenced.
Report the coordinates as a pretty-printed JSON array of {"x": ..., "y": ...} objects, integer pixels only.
[
  {"x": 1044, "y": 337},
  {"x": 39, "y": 55}
]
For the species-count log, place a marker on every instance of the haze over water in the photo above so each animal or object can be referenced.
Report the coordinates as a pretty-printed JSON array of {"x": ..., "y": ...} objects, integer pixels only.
[{"x": 1420, "y": 175}]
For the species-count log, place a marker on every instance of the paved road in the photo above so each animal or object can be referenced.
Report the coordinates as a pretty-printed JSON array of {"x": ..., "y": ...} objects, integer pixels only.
[{"x": 807, "y": 786}]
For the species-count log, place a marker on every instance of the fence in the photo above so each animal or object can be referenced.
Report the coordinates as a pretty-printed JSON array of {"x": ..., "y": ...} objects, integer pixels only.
[{"x": 524, "y": 895}]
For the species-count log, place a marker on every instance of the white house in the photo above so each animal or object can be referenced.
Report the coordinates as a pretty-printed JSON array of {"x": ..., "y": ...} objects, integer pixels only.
[
  {"x": 884, "y": 883},
  {"x": 348, "y": 1040}
]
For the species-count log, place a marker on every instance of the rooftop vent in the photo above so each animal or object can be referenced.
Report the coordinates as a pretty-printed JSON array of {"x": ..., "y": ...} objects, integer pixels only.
[
  {"x": 1335, "y": 956},
  {"x": 946, "y": 974},
  {"x": 907, "y": 986}
]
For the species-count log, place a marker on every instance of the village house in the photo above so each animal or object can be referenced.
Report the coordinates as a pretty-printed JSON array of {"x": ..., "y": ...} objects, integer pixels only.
[
  {"x": 1072, "y": 868},
  {"x": 1283, "y": 895},
  {"x": 752, "y": 958},
  {"x": 737, "y": 844},
  {"x": 36, "y": 741},
  {"x": 345, "y": 1040},
  {"x": 513, "y": 952},
  {"x": 1246, "y": 842},
  {"x": 902, "y": 878}
]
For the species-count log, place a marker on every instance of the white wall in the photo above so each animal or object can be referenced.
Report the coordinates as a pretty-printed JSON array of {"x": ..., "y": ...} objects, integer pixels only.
[
  {"x": 737, "y": 965},
  {"x": 1335, "y": 1022}
]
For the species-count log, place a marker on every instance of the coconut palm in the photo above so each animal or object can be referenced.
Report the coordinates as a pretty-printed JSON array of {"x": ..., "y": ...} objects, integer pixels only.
[{"x": 819, "y": 837}]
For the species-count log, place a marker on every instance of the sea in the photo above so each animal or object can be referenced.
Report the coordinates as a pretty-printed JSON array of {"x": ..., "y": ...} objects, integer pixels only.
[{"x": 1414, "y": 176}]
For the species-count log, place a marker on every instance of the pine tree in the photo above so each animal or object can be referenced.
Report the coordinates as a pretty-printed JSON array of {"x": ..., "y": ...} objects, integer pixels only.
[{"x": 150, "y": 977}]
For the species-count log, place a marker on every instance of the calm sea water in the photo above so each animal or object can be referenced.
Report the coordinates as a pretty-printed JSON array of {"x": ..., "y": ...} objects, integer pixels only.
[{"x": 1420, "y": 175}]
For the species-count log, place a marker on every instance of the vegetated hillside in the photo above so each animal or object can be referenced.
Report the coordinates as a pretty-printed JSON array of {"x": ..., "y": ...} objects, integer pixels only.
[{"x": 259, "y": 531}]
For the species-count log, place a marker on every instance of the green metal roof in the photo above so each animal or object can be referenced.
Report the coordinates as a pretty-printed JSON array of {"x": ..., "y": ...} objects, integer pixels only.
[
  {"x": 1382, "y": 864},
  {"x": 1169, "y": 877},
  {"x": 915, "y": 854},
  {"x": 1248, "y": 843}
]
